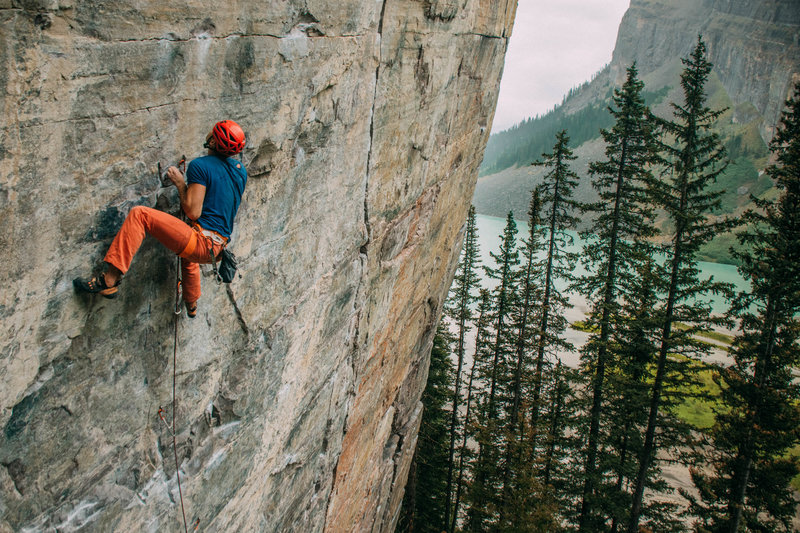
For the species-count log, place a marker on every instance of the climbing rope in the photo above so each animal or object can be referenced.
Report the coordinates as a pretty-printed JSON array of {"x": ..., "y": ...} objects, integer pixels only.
[
  {"x": 177, "y": 313},
  {"x": 174, "y": 386},
  {"x": 178, "y": 288}
]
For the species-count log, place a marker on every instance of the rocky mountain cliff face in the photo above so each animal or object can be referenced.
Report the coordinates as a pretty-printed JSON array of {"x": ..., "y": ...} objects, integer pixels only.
[
  {"x": 754, "y": 46},
  {"x": 298, "y": 385},
  {"x": 755, "y": 49}
]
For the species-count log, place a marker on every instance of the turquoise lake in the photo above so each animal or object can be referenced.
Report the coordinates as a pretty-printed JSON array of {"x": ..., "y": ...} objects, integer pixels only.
[{"x": 491, "y": 228}]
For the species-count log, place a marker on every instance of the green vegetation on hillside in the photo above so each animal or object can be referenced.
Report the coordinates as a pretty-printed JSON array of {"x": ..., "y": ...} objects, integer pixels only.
[
  {"x": 739, "y": 129},
  {"x": 525, "y": 142},
  {"x": 701, "y": 401}
]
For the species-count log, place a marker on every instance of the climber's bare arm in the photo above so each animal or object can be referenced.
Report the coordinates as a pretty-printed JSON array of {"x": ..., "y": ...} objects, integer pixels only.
[{"x": 191, "y": 195}]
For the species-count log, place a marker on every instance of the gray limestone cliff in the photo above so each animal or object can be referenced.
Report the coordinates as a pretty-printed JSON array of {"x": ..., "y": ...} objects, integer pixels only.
[
  {"x": 299, "y": 384},
  {"x": 754, "y": 46}
]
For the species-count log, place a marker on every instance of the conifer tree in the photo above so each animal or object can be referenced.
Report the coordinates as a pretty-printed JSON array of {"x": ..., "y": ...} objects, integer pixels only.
[
  {"x": 464, "y": 453},
  {"x": 523, "y": 315},
  {"x": 696, "y": 157},
  {"x": 486, "y": 487},
  {"x": 527, "y": 505},
  {"x": 559, "y": 446},
  {"x": 504, "y": 274},
  {"x": 426, "y": 513},
  {"x": 483, "y": 495},
  {"x": 459, "y": 310},
  {"x": 529, "y": 296},
  {"x": 622, "y": 218},
  {"x": 747, "y": 487},
  {"x": 558, "y": 263},
  {"x": 634, "y": 339}
]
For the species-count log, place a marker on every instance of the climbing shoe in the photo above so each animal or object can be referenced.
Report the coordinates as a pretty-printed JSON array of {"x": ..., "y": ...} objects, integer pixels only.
[
  {"x": 96, "y": 285},
  {"x": 191, "y": 309}
]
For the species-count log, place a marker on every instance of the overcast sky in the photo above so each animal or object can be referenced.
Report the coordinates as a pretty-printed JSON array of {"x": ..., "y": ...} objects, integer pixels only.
[{"x": 556, "y": 45}]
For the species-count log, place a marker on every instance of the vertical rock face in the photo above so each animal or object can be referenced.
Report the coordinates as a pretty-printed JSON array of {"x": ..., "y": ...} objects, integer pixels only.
[{"x": 298, "y": 385}]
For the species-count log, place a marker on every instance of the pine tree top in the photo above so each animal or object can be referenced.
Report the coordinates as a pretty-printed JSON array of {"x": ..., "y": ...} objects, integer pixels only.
[{"x": 772, "y": 239}]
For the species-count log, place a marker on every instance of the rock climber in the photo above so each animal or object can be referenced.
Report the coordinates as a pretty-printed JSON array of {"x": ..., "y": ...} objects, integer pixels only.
[{"x": 210, "y": 196}]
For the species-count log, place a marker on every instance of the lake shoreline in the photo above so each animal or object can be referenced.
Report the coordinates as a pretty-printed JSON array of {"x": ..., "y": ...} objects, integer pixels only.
[{"x": 490, "y": 228}]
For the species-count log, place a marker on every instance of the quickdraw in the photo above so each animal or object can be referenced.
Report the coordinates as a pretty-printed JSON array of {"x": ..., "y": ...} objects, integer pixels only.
[
  {"x": 163, "y": 419},
  {"x": 178, "y": 289}
]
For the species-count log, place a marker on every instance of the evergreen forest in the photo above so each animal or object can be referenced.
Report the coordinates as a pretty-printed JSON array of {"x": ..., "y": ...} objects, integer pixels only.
[
  {"x": 506, "y": 173},
  {"x": 512, "y": 440}
]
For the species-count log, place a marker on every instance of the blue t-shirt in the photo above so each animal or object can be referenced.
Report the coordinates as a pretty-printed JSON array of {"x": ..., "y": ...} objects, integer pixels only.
[{"x": 224, "y": 179}]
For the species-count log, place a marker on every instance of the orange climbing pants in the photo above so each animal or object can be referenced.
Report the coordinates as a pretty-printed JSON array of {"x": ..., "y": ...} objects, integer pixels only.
[{"x": 186, "y": 241}]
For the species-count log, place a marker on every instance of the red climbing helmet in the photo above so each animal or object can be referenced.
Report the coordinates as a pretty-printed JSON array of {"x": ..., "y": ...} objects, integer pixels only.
[{"x": 229, "y": 137}]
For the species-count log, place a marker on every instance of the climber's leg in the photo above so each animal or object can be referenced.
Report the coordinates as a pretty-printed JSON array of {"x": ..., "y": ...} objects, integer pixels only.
[
  {"x": 169, "y": 230},
  {"x": 197, "y": 251},
  {"x": 190, "y": 274}
]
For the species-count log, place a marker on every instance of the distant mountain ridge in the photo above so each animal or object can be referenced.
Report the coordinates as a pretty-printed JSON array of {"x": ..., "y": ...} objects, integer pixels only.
[
  {"x": 755, "y": 49},
  {"x": 754, "y": 45}
]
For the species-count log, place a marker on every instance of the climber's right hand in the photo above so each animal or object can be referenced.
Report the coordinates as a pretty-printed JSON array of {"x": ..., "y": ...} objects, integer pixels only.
[{"x": 176, "y": 177}]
